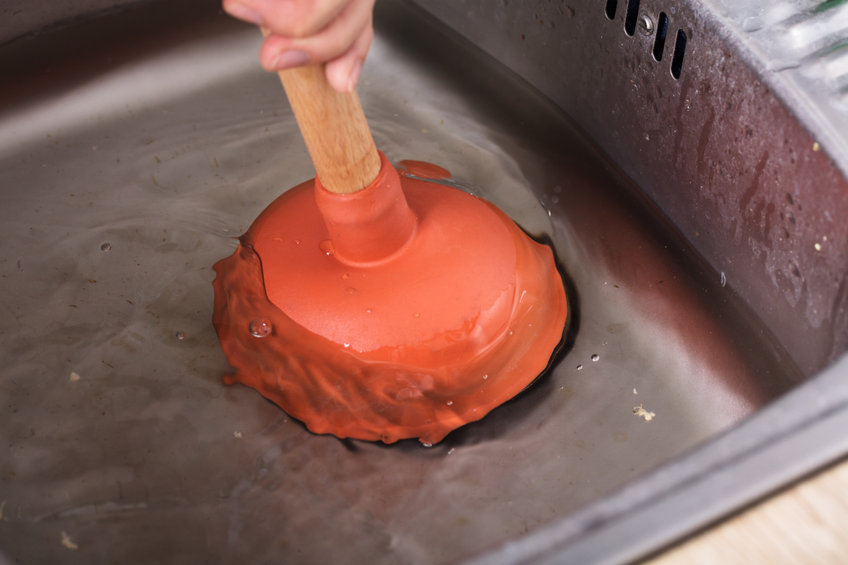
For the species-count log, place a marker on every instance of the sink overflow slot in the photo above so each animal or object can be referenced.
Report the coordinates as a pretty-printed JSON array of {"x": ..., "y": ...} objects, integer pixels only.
[
  {"x": 631, "y": 19},
  {"x": 659, "y": 40},
  {"x": 677, "y": 57}
]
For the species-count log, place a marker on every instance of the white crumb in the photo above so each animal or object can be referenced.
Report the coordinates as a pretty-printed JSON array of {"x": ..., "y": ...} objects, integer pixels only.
[
  {"x": 635, "y": 391},
  {"x": 74, "y": 377},
  {"x": 642, "y": 413},
  {"x": 237, "y": 435},
  {"x": 67, "y": 542}
]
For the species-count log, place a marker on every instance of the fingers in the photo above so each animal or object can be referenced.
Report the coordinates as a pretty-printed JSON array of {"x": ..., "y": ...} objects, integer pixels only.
[
  {"x": 336, "y": 32},
  {"x": 343, "y": 71},
  {"x": 290, "y": 18},
  {"x": 330, "y": 42}
]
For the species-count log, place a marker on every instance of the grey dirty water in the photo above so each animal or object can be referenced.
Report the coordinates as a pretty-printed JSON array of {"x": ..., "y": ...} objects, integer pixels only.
[{"x": 122, "y": 187}]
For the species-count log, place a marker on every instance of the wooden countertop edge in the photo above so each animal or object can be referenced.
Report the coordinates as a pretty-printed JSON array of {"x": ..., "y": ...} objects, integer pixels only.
[{"x": 804, "y": 523}]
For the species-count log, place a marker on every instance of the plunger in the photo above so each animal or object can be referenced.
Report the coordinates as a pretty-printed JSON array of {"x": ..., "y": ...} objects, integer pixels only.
[{"x": 377, "y": 306}]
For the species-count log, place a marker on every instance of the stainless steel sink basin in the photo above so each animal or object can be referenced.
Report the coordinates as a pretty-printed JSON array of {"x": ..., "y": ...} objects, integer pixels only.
[{"x": 696, "y": 205}]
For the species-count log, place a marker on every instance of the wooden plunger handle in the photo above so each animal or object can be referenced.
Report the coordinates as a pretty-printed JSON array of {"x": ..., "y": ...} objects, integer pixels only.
[{"x": 334, "y": 128}]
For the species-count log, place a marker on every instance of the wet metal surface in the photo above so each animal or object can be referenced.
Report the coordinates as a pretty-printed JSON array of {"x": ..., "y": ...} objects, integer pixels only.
[
  {"x": 748, "y": 165},
  {"x": 125, "y": 175}
]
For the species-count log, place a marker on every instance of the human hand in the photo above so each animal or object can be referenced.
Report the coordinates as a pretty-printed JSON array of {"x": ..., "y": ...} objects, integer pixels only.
[{"x": 335, "y": 32}]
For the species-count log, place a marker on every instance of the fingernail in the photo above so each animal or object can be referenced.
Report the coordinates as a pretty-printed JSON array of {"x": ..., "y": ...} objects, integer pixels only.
[
  {"x": 242, "y": 12},
  {"x": 353, "y": 77},
  {"x": 291, "y": 58}
]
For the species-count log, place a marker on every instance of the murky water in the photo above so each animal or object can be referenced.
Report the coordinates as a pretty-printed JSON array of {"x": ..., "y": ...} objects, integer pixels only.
[{"x": 119, "y": 194}]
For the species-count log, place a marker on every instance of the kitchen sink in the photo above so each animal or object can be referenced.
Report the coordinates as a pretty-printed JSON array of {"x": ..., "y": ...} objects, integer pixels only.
[{"x": 686, "y": 160}]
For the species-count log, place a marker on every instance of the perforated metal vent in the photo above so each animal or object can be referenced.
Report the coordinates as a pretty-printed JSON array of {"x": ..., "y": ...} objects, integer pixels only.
[{"x": 649, "y": 25}]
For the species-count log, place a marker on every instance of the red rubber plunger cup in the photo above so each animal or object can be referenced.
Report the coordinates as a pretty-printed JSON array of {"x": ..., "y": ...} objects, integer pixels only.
[{"x": 399, "y": 309}]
